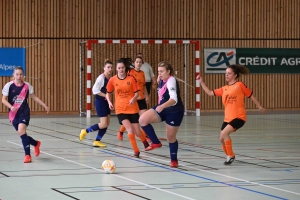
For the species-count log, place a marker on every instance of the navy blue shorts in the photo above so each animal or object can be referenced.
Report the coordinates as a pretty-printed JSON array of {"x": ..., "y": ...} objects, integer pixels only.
[
  {"x": 173, "y": 118},
  {"x": 235, "y": 123},
  {"x": 102, "y": 107},
  {"x": 21, "y": 119}
]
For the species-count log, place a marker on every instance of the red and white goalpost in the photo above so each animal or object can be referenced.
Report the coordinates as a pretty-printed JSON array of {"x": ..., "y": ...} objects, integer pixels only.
[{"x": 90, "y": 44}]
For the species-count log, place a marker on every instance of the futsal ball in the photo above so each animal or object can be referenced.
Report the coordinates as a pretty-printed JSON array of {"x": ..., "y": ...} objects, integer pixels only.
[{"x": 108, "y": 166}]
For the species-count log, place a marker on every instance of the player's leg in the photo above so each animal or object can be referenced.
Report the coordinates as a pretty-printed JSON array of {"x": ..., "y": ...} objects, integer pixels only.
[
  {"x": 171, "y": 132},
  {"x": 104, "y": 122},
  {"x": 131, "y": 137},
  {"x": 121, "y": 131},
  {"x": 148, "y": 117},
  {"x": 173, "y": 122},
  {"x": 21, "y": 128}
]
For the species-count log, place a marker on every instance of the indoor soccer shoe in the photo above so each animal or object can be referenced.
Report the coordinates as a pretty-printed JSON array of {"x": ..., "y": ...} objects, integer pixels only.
[
  {"x": 174, "y": 163},
  {"x": 120, "y": 135},
  {"x": 82, "y": 134},
  {"x": 136, "y": 154},
  {"x": 37, "y": 149},
  {"x": 229, "y": 160},
  {"x": 98, "y": 144},
  {"x": 153, "y": 146},
  {"x": 27, "y": 159}
]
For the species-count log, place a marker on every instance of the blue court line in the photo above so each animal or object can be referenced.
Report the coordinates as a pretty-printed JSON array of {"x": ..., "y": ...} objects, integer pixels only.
[{"x": 197, "y": 176}]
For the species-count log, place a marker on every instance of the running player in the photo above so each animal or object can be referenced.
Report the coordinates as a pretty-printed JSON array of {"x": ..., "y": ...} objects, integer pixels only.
[
  {"x": 169, "y": 109},
  {"x": 233, "y": 95},
  {"x": 101, "y": 104},
  {"x": 139, "y": 75},
  {"x": 15, "y": 95},
  {"x": 126, "y": 92}
]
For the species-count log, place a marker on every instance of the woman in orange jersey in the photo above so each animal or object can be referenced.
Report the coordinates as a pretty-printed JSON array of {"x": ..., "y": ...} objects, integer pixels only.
[
  {"x": 233, "y": 96},
  {"x": 126, "y": 92},
  {"x": 142, "y": 101}
]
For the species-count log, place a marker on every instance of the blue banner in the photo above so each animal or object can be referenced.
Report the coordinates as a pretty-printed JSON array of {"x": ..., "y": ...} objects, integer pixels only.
[{"x": 11, "y": 58}]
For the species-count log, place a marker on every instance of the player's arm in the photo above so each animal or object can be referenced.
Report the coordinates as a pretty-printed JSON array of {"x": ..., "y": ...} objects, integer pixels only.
[
  {"x": 136, "y": 90},
  {"x": 5, "y": 102},
  {"x": 204, "y": 86},
  {"x": 146, "y": 94},
  {"x": 36, "y": 99},
  {"x": 256, "y": 102},
  {"x": 108, "y": 98},
  {"x": 153, "y": 78},
  {"x": 5, "y": 93},
  {"x": 98, "y": 85}
]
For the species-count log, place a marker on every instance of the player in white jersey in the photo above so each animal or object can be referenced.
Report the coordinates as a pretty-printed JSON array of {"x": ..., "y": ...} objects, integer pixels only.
[
  {"x": 169, "y": 109},
  {"x": 102, "y": 107}
]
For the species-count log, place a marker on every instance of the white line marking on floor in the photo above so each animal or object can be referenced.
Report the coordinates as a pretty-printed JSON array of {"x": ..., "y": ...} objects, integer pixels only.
[{"x": 87, "y": 166}]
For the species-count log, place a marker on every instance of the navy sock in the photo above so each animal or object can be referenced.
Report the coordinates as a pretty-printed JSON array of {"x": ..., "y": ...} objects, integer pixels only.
[
  {"x": 101, "y": 132},
  {"x": 95, "y": 127},
  {"x": 149, "y": 130},
  {"x": 173, "y": 150},
  {"x": 26, "y": 144},
  {"x": 32, "y": 141}
]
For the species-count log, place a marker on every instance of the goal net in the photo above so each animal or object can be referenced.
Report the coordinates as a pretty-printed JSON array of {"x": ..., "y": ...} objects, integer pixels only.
[{"x": 182, "y": 54}]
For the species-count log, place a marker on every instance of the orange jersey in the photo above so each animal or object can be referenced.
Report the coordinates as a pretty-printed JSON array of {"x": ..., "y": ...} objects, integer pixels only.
[
  {"x": 233, "y": 100},
  {"x": 140, "y": 78},
  {"x": 124, "y": 91}
]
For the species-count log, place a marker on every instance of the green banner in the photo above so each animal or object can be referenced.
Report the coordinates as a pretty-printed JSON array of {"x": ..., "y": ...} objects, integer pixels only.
[{"x": 269, "y": 60}]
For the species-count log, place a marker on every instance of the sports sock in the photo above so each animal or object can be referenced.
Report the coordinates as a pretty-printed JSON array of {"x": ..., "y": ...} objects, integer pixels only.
[
  {"x": 173, "y": 150},
  {"x": 131, "y": 137},
  {"x": 100, "y": 134},
  {"x": 95, "y": 127},
  {"x": 32, "y": 141},
  {"x": 224, "y": 149},
  {"x": 26, "y": 144},
  {"x": 151, "y": 133},
  {"x": 228, "y": 144},
  {"x": 142, "y": 135},
  {"x": 122, "y": 128}
]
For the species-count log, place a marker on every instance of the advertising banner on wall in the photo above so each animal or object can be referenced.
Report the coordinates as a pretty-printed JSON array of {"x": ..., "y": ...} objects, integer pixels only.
[
  {"x": 257, "y": 60},
  {"x": 11, "y": 58}
]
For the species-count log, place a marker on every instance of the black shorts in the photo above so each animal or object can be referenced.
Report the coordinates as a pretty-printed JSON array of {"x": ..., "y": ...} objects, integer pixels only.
[
  {"x": 235, "y": 123},
  {"x": 133, "y": 118},
  {"x": 148, "y": 87},
  {"x": 142, "y": 104}
]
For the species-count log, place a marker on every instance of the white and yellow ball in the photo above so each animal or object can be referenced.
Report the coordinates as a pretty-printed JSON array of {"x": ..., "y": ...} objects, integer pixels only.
[{"x": 108, "y": 166}]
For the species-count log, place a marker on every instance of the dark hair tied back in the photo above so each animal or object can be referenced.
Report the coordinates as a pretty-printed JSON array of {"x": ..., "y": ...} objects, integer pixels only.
[{"x": 239, "y": 69}]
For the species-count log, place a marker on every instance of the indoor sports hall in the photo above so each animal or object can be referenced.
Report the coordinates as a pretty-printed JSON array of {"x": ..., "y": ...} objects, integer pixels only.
[
  {"x": 266, "y": 166},
  {"x": 224, "y": 56}
]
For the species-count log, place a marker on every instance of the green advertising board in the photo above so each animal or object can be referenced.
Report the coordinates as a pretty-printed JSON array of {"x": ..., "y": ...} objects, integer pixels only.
[
  {"x": 269, "y": 60},
  {"x": 257, "y": 60}
]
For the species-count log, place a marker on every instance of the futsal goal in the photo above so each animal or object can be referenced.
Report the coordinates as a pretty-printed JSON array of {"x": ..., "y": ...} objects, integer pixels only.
[{"x": 182, "y": 54}]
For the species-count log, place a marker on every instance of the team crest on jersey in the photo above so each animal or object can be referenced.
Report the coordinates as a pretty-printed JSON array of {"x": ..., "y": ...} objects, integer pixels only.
[
  {"x": 128, "y": 83},
  {"x": 117, "y": 84},
  {"x": 172, "y": 89}
]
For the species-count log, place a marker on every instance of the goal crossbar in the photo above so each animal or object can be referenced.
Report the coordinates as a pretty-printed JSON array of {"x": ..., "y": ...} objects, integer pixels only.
[{"x": 89, "y": 44}]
